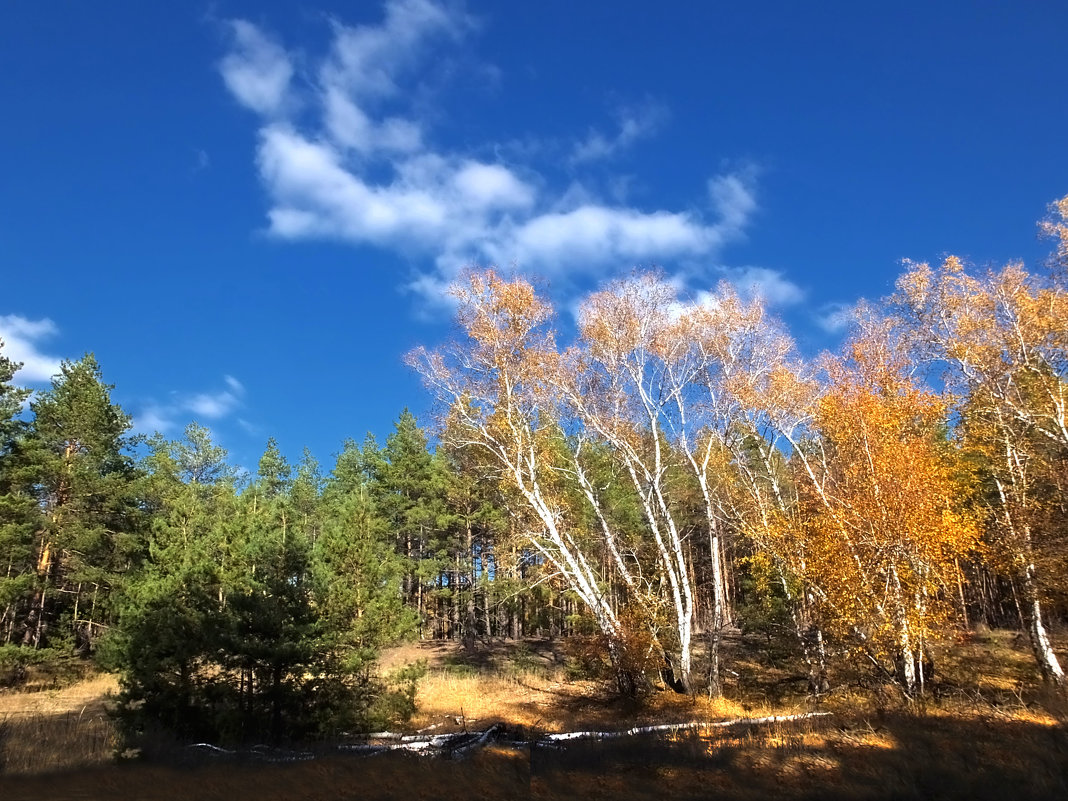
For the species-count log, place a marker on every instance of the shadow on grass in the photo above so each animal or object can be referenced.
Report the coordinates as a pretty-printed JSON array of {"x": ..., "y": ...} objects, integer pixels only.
[
  {"x": 497, "y": 656},
  {"x": 903, "y": 756}
]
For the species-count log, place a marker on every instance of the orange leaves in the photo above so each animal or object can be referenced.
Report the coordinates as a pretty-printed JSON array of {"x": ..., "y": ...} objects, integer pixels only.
[
  {"x": 626, "y": 316},
  {"x": 495, "y": 312},
  {"x": 884, "y": 507}
]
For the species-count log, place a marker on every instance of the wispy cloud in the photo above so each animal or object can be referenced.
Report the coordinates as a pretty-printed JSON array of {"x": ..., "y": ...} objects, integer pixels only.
[
  {"x": 182, "y": 407},
  {"x": 835, "y": 318},
  {"x": 257, "y": 71},
  {"x": 345, "y": 154},
  {"x": 634, "y": 123},
  {"x": 22, "y": 339},
  {"x": 771, "y": 285},
  {"x": 151, "y": 418}
]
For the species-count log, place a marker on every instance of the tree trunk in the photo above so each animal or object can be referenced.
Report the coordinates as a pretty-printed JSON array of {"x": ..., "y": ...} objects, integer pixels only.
[
  {"x": 470, "y": 626},
  {"x": 715, "y": 680},
  {"x": 960, "y": 593},
  {"x": 1048, "y": 664},
  {"x": 625, "y": 680}
]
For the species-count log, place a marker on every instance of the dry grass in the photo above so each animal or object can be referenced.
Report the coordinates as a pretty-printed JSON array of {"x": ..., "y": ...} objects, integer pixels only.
[
  {"x": 553, "y": 704},
  {"x": 903, "y": 757},
  {"x": 984, "y": 733},
  {"x": 87, "y": 695}
]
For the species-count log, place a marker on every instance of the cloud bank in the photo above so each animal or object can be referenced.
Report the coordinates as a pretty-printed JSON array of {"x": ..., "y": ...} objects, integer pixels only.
[{"x": 344, "y": 153}]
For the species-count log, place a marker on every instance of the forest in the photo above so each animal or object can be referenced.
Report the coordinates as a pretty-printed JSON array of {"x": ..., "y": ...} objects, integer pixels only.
[{"x": 678, "y": 472}]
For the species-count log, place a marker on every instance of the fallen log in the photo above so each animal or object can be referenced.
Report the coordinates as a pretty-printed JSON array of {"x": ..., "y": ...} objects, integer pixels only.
[
  {"x": 604, "y": 735},
  {"x": 263, "y": 753}
]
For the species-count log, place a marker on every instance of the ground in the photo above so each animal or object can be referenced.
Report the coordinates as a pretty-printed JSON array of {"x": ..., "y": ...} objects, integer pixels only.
[{"x": 986, "y": 731}]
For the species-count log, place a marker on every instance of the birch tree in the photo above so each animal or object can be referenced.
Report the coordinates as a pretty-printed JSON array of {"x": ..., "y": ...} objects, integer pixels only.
[
  {"x": 496, "y": 394},
  {"x": 749, "y": 399},
  {"x": 620, "y": 387},
  {"x": 1003, "y": 336},
  {"x": 699, "y": 387}
]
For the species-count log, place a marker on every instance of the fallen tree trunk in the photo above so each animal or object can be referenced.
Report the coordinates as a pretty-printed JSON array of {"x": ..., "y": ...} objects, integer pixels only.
[{"x": 458, "y": 744}]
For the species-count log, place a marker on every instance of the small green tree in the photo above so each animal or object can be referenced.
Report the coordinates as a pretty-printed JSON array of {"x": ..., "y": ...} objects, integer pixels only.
[
  {"x": 174, "y": 610},
  {"x": 240, "y": 627}
]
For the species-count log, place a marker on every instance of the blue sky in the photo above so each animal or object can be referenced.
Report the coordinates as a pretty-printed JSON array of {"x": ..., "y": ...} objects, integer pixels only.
[{"x": 248, "y": 211}]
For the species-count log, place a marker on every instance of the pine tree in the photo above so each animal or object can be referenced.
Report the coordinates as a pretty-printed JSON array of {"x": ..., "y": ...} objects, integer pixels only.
[
  {"x": 174, "y": 610},
  {"x": 18, "y": 512},
  {"x": 11, "y": 400},
  {"x": 407, "y": 490},
  {"x": 358, "y": 576},
  {"x": 74, "y": 462}
]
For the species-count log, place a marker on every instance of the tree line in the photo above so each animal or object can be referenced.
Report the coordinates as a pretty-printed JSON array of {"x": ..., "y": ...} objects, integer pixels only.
[
  {"x": 675, "y": 473},
  {"x": 233, "y": 604}
]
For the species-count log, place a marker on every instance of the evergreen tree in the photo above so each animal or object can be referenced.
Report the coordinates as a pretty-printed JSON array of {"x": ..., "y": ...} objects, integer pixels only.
[
  {"x": 174, "y": 611},
  {"x": 306, "y": 497},
  {"x": 474, "y": 522},
  {"x": 407, "y": 488},
  {"x": 358, "y": 577},
  {"x": 257, "y": 614},
  {"x": 74, "y": 463},
  {"x": 18, "y": 512},
  {"x": 269, "y": 638},
  {"x": 11, "y": 400}
]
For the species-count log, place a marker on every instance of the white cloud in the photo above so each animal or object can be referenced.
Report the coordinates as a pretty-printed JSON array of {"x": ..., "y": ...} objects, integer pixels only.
[
  {"x": 488, "y": 185},
  {"x": 733, "y": 198},
  {"x": 152, "y": 418},
  {"x": 367, "y": 61},
  {"x": 359, "y": 165},
  {"x": 211, "y": 406},
  {"x": 249, "y": 428},
  {"x": 214, "y": 405},
  {"x": 21, "y": 337},
  {"x": 597, "y": 234}
]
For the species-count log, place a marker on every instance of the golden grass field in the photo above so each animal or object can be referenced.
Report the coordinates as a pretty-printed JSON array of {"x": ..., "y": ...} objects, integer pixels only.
[{"x": 987, "y": 732}]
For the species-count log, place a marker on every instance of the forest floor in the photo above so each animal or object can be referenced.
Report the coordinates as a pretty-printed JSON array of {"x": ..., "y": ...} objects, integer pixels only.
[{"x": 987, "y": 730}]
